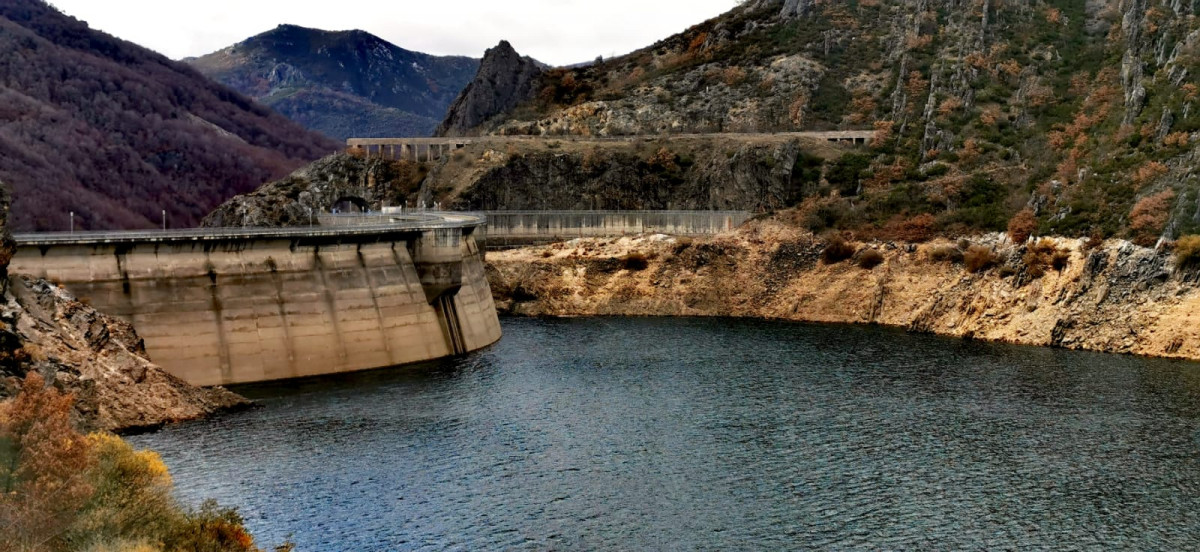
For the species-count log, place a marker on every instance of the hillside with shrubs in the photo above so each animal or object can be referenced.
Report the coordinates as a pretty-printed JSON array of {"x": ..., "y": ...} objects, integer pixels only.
[
  {"x": 1081, "y": 117},
  {"x": 117, "y": 133},
  {"x": 63, "y": 490}
]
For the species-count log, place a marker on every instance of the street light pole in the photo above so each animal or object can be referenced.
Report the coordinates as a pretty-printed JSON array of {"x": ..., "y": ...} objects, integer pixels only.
[
  {"x": 164, "y": 220},
  {"x": 72, "y": 222}
]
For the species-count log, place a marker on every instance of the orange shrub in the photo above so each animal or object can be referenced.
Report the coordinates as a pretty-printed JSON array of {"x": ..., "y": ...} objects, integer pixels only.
[
  {"x": 1022, "y": 226},
  {"x": 1150, "y": 215},
  {"x": 978, "y": 258},
  {"x": 837, "y": 249},
  {"x": 1149, "y": 172},
  {"x": 914, "y": 229},
  {"x": 870, "y": 259}
]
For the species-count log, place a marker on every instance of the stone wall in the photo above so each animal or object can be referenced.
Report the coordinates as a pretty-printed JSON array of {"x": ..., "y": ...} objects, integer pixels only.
[{"x": 246, "y": 310}]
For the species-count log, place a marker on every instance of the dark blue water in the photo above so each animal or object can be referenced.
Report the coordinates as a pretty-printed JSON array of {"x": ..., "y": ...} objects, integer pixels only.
[{"x": 682, "y": 434}]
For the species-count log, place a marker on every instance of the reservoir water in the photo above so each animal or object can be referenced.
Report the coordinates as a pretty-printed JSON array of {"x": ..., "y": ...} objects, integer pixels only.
[{"x": 695, "y": 434}]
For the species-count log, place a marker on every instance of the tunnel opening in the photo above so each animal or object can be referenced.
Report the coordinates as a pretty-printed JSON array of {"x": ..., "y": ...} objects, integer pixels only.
[{"x": 350, "y": 205}]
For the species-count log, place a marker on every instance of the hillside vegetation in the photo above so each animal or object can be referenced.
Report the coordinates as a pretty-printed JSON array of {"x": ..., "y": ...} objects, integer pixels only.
[
  {"x": 117, "y": 133},
  {"x": 1079, "y": 115}
]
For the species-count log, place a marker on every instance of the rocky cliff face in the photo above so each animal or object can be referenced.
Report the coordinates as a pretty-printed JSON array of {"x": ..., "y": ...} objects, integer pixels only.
[
  {"x": 100, "y": 359},
  {"x": 1114, "y": 297},
  {"x": 504, "y": 80},
  {"x": 761, "y": 174},
  {"x": 318, "y": 188},
  {"x": 345, "y": 84}
]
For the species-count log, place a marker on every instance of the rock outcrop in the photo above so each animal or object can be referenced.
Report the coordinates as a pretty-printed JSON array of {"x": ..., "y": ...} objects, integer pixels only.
[
  {"x": 318, "y": 188},
  {"x": 1115, "y": 297},
  {"x": 505, "y": 79},
  {"x": 743, "y": 174},
  {"x": 99, "y": 359}
]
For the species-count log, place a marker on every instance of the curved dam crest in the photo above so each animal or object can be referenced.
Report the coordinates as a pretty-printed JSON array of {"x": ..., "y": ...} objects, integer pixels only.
[{"x": 221, "y": 307}]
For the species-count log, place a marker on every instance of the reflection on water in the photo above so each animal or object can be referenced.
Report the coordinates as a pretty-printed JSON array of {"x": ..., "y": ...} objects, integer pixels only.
[{"x": 683, "y": 434}]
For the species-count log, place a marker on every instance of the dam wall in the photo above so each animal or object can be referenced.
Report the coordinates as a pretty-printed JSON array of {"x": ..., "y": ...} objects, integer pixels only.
[{"x": 248, "y": 307}]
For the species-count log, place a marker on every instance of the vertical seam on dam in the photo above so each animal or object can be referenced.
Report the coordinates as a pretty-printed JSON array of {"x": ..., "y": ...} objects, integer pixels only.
[
  {"x": 219, "y": 320},
  {"x": 285, "y": 324},
  {"x": 387, "y": 345},
  {"x": 330, "y": 303}
]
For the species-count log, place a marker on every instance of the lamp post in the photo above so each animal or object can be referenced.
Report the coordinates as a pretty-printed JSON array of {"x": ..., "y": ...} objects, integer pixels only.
[
  {"x": 72, "y": 222},
  {"x": 164, "y": 213}
]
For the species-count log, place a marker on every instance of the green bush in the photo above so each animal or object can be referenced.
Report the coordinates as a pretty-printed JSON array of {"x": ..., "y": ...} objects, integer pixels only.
[
  {"x": 946, "y": 254},
  {"x": 1187, "y": 251}
]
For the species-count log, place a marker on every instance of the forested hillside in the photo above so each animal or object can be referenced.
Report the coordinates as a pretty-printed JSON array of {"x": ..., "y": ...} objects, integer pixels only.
[
  {"x": 1078, "y": 115},
  {"x": 117, "y": 133}
]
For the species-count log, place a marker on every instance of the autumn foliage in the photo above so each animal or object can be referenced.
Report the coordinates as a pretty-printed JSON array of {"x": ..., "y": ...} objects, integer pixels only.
[
  {"x": 1149, "y": 216},
  {"x": 61, "y": 490},
  {"x": 1022, "y": 226}
]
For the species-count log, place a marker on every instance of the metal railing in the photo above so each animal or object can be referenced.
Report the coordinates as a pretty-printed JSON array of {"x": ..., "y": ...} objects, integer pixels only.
[{"x": 341, "y": 225}]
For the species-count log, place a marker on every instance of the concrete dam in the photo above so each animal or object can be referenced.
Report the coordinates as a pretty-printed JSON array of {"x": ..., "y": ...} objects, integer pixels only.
[{"x": 230, "y": 306}]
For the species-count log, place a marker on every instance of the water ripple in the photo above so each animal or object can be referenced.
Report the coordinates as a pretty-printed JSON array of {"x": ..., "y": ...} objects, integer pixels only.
[{"x": 628, "y": 434}]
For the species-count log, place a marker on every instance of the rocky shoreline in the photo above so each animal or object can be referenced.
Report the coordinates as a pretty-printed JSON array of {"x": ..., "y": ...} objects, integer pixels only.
[
  {"x": 1111, "y": 297},
  {"x": 98, "y": 358}
]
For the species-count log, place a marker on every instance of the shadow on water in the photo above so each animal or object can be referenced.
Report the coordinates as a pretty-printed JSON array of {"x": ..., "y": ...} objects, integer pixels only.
[{"x": 408, "y": 374}]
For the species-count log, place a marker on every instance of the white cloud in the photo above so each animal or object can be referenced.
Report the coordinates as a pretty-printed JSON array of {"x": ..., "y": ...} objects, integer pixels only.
[{"x": 553, "y": 31}]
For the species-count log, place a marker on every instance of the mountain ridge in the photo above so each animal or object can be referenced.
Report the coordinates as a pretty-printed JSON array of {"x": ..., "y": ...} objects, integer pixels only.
[
  {"x": 117, "y": 134},
  {"x": 342, "y": 83}
]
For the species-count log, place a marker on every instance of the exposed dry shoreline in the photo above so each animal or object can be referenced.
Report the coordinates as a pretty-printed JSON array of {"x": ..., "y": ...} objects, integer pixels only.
[{"x": 1115, "y": 298}]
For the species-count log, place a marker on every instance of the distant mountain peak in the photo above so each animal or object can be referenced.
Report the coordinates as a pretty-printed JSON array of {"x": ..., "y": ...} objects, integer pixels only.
[{"x": 342, "y": 83}]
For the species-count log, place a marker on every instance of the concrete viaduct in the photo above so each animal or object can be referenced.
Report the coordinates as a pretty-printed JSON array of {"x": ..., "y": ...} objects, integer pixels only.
[
  {"x": 229, "y": 306},
  {"x": 431, "y": 149}
]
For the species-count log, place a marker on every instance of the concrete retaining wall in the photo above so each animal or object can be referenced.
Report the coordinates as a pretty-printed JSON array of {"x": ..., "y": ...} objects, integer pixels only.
[
  {"x": 511, "y": 228},
  {"x": 247, "y": 310}
]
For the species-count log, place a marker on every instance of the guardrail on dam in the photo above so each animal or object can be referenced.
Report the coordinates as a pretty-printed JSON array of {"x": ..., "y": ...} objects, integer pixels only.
[
  {"x": 517, "y": 228},
  {"x": 514, "y": 228},
  {"x": 228, "y": 306}
]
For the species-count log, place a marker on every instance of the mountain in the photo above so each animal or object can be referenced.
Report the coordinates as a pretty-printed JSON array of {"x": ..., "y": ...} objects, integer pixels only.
[
  {"x": 117, "y": 133},
  {"x": 344, "y": 84},
  {"x": 1081, "y": 117}
]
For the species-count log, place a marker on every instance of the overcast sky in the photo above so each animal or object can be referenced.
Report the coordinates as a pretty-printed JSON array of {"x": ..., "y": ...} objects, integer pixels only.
[{"x": 557, "y": 32}]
